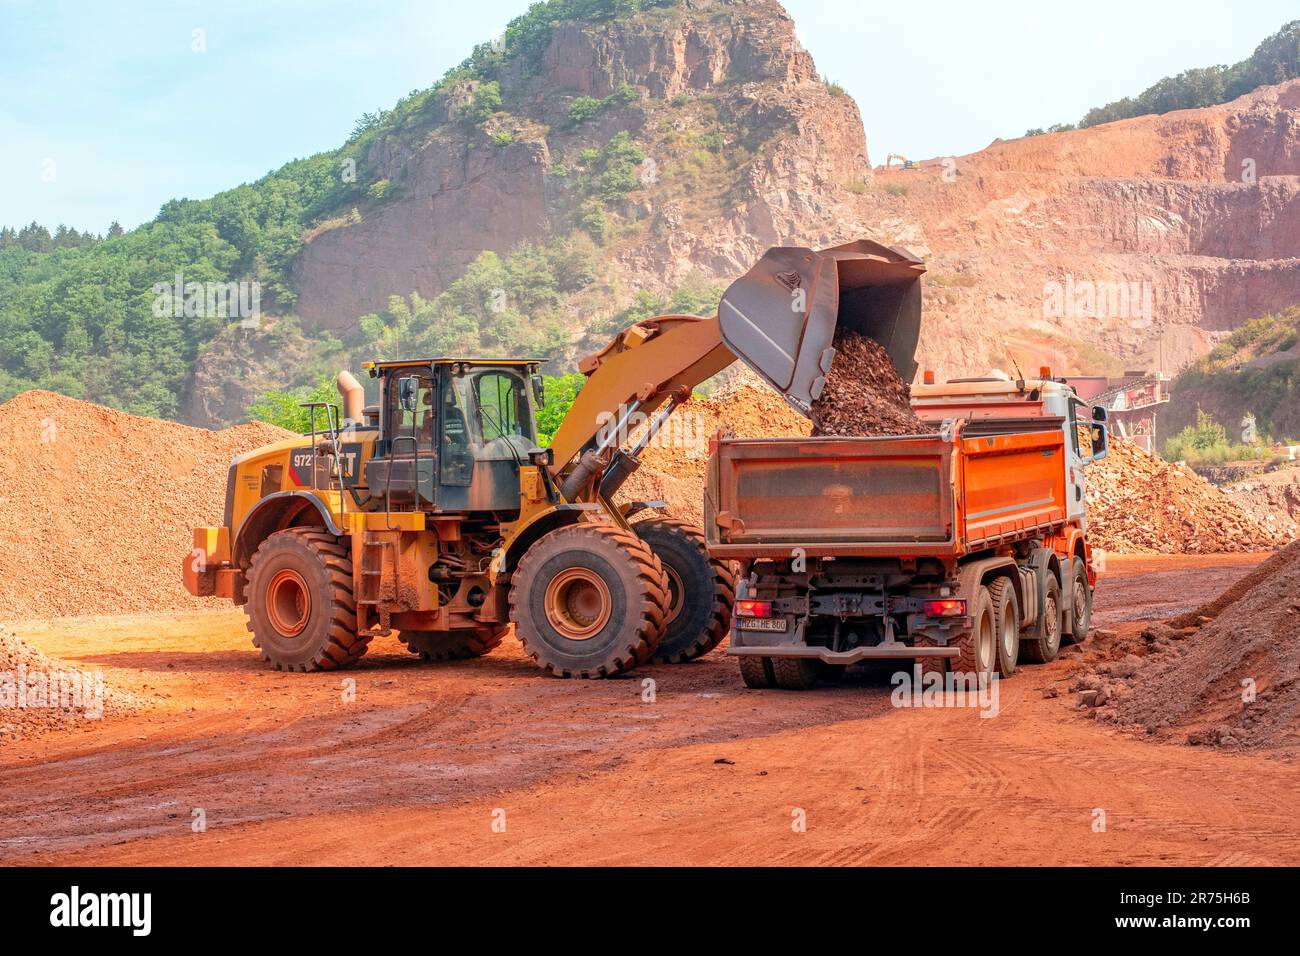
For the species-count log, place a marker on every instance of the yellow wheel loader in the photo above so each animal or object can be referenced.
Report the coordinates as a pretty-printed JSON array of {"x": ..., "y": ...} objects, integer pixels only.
[{"x": 434, "y": 514}]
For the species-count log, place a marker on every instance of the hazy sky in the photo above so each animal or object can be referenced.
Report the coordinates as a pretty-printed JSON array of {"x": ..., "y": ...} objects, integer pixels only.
[{"x": 108, "y": 111}]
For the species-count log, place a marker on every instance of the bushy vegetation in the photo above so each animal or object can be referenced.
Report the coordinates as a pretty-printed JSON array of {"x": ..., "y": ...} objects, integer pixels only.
[
  {"x": 559, "y": 392},
  {"x": 1275, "y": 60},
  {"x": 284, "y": 408},
  {"x": 1206, "y": 443},
  {"x": 505, "y": 306},
  {"x": 1255, "y": 369},
  {"x": 585, "y": 108},
  {"x": 75, "y": 308},
  {"x": 695, "y": 296}
]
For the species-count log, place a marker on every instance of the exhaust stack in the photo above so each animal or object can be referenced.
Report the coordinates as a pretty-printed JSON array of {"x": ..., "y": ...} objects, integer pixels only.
[{"x": 353, "y": 395}]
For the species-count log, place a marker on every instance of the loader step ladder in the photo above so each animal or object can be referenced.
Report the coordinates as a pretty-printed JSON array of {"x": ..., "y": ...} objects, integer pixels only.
[{"x": 372, "y": 576}]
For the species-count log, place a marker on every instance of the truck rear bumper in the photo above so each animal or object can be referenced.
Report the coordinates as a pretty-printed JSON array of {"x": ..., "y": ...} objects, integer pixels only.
[{"x": 893, "y": 652}]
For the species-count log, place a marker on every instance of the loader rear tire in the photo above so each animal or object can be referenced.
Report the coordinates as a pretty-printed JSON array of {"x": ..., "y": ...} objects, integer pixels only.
[
  {"x": 796, "y": 673},
  {"x": 701, "y": 589},
  {"x": 300, "y": 605},
  {"x": 1006, "y": 616},
  {"x": 977, "y": 649},
  {"x": 1043, "y": 642},
  {"x": 1080, "y": 602},
  {"x": 757, "y": 672},
  {"x": 589, "y": 601},
  {"x": 455, "y": 645}
]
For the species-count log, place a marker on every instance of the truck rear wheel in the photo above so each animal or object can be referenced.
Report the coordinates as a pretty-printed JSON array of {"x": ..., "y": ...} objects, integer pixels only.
[
  {"x": 1006, "y": 616},
  {"x": 457, "y": 645},
  {"x": 757, "y": 672},
  {"x": 300, "y": 605},
  {"x": 796, "y": 673},
  {"x": 701, "y": 590},
  {"x": 977, "y": 648},
  {"x": 1080, "y": 602},
  {"x": 1043, "y": 643},
  {"x": 589, "y": 600}
]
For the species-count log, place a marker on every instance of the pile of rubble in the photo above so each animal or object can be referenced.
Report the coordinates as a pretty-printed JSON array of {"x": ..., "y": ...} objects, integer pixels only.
[
  {"x": 1140, "y": 504},
  {"x": 39, "y": 693},
  {"x": 97, "y": 506},
  {"x": 1226, "y": 674},
  {"x": 673, "y": 466},
  {"x": 863, "y": 393}
]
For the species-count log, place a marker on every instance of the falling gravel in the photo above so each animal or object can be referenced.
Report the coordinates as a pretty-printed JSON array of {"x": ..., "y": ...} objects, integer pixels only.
[{"x": 863, "y": 393}]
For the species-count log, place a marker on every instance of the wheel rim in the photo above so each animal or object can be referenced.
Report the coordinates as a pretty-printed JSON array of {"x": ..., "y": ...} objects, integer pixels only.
[
  {"x": 1080, "y": 602},
  {"x": 676, "y": 594},
  {"x": 288, "y": 602},
  {"x": 578, "y": 604},
  {"x": 1009, "y": 634},
  {"x": 1051, "y": 622},
  {"x": 984, "y": 642}
]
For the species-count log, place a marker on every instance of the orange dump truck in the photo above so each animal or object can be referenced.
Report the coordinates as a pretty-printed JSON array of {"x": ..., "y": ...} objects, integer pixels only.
[{"x": 965, "y": 548}]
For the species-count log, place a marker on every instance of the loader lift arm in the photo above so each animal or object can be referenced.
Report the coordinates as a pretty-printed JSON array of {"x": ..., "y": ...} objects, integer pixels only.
[{"x": 780, "y": 318}]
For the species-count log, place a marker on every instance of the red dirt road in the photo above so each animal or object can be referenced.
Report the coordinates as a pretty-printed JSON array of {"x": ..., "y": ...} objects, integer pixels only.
[{"x": 427, "y": 757}]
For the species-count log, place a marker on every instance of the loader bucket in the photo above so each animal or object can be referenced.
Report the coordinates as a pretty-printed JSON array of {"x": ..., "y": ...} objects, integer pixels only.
[{"x": 780, "y": 317}]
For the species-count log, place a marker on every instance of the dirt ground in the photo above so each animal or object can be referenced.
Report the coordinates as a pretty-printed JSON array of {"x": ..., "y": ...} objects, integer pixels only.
[{"x": 424, "y": 761}]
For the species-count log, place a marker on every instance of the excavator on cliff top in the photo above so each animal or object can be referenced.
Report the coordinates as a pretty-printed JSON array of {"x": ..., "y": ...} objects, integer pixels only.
[{"x": 434, "y": 513}]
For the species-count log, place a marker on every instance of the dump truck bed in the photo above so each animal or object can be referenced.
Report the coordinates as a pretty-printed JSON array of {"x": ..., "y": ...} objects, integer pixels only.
[{"x": 924, "y": 495}]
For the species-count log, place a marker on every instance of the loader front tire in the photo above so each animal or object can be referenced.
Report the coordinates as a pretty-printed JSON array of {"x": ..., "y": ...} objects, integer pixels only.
[
  {"x": 701, "y": 590},
  {"x": 589, "y": 601},
  {"x": 300, "y": 605},
  {"x": 457, "y": 645}
]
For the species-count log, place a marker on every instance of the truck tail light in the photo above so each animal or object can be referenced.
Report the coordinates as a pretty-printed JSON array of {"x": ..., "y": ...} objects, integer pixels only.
[
  {"x": 754, "y": 608},
  {"x": 945, "y": 608}
]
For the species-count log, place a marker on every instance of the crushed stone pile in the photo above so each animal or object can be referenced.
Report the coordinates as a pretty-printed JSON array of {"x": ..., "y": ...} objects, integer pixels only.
[
  {"x": 39, "y": 693},
  {"x": 673, "y": 466},
  {"x": 863, "y": 393},
  {"x": 1226, "y": 674},
  {"x": 97, "y": 506},
  {"x": 1141, "y": 504},
  {"x": 1274, "y": 496}
]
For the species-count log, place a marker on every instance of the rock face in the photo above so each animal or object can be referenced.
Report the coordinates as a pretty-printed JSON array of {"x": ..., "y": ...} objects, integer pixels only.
[
  {"x": 706, "y": 65},
  {"x": 1135, "y": 244},
  {"x": 1194, "y": 215}
]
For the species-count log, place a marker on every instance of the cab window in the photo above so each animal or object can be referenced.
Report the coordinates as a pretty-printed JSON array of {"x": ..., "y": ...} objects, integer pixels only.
[
  {"x": 1081, "y": 429},
  {"x": 417, "y": 423},
  {"x": 502, "y": 406}
]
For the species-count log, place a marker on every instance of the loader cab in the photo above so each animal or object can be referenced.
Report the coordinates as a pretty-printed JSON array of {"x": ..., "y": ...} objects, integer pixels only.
[{"x": 453, "y": 433}]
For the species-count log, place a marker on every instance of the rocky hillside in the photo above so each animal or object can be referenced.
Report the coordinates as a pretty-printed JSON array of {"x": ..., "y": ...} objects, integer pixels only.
[
  {"x": 1154, "y": 209},
  {"x": 607, "y": 158},
  {"x": 1131, "y": 244}
]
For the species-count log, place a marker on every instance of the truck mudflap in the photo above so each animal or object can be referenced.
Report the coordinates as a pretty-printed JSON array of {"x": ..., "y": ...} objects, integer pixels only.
[{"x": 890, "y": 652}]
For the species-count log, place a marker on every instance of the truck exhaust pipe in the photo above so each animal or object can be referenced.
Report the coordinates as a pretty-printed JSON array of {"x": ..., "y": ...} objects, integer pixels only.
[{"x": 780, "y": 317}]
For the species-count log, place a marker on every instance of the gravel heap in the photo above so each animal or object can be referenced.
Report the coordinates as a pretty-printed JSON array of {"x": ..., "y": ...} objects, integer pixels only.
[
  {"x": 1141, "y": 504},
  {"x": 97, "y": 506},
  {"x": 863, "y": 393}
]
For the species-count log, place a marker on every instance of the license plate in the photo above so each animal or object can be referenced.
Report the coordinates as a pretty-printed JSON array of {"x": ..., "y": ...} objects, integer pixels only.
[{"x": 761, "y": 623}]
